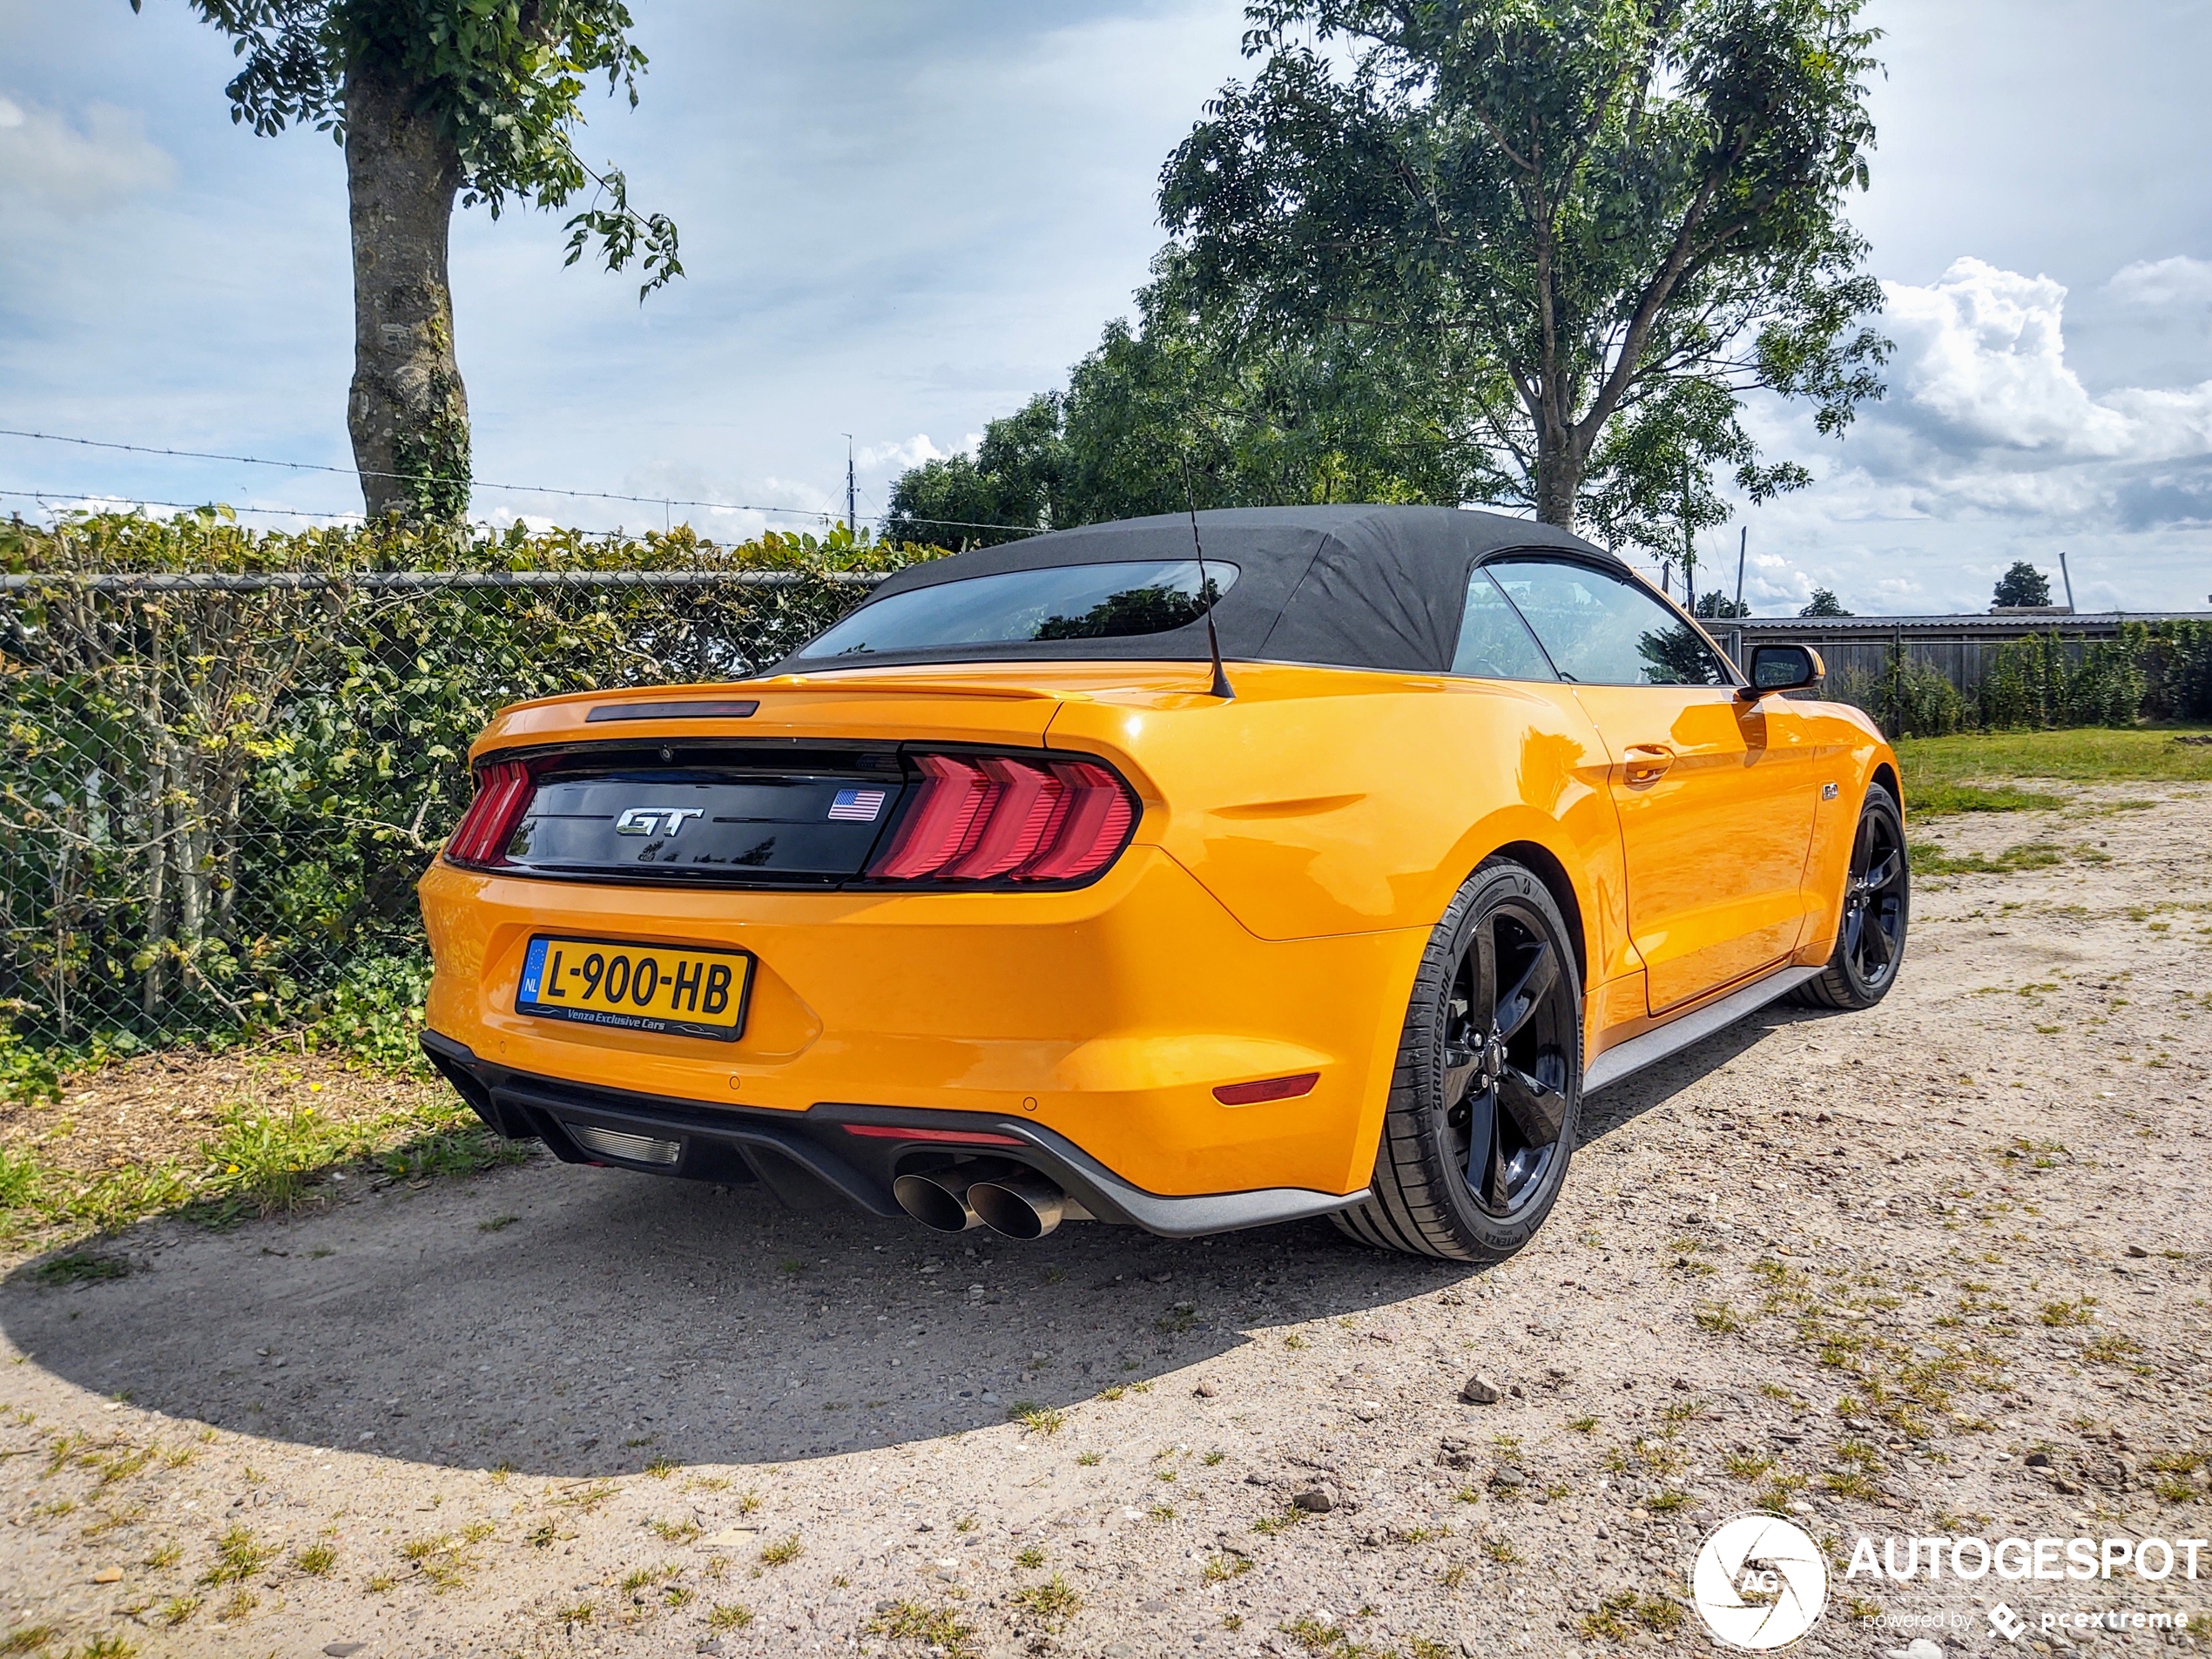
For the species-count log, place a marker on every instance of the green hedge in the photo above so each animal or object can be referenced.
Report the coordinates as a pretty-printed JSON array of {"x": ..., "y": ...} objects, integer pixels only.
[
  {"x": 2156, "y": 672},
  {"x": 214, "y": 804}
]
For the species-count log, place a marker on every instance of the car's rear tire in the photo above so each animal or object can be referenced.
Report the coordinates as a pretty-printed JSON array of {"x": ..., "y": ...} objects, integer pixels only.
[
  {"x": 1877, "y": 906},
  {"x": 1492, "y": 1049}
]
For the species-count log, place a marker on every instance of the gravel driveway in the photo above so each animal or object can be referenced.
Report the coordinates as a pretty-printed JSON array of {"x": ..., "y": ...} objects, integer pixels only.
[{"x": 1934, "y": 1270}]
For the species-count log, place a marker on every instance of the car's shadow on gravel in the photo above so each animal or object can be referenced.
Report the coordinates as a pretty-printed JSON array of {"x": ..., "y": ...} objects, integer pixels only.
[{"x": 581, "y": 1322}]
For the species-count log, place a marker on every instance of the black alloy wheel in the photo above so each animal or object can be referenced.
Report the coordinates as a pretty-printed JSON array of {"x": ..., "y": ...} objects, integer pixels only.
[
  {"x": 1505, "y": 1070},
  {"x": 1485, "y": 1099},
  {"x": 1877, "y": 909}
]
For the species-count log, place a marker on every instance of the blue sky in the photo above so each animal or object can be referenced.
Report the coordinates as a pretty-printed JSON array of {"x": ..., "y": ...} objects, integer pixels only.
[{"x": 899, "y": 220}]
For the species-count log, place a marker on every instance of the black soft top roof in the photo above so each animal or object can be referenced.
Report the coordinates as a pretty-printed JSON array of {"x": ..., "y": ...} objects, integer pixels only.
[{"x": 1352, "y": 587}]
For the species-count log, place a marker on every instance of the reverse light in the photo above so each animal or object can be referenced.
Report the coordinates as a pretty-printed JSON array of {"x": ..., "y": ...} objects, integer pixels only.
[
  {"x": 994, "y": 818},
  {"x": 480, "y": 839}
]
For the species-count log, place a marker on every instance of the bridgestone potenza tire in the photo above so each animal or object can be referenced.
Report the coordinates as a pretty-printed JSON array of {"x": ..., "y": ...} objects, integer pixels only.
[
  {"x": 1873, "y": 917},
  {"x": 1496, "y": 1017}
]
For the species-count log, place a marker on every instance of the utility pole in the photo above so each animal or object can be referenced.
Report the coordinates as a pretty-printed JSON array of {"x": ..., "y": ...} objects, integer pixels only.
[
  {"x": 2066, "y": 576},
  {"x": 1742, "y": 549},
  {"x": 852, "y": 492}
]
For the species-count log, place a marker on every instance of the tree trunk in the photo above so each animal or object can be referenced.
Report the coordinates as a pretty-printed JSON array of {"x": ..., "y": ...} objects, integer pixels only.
[
  {"x": 408, "y": 414},
  {"x": 1559, "y": 480}
]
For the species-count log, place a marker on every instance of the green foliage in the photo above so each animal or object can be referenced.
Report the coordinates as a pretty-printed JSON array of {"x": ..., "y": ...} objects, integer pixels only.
[
  {"x": 1600, "y": 221},
  {"x": 376, "y": 1012},
  {"x": 1713, "y": 604},
  {"x": 504, "y": 78},
  {"x": 1824, "y": 603},
  {"x": 2047, "y": 680},
  {"x": 2022, "y": 585},
  {"x": 1175, "y": 412},
  {"x": 214, "y": 804}
]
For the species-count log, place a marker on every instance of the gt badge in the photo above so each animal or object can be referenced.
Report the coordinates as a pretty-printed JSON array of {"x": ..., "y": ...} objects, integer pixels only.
[{"x": 656, "y": 820}]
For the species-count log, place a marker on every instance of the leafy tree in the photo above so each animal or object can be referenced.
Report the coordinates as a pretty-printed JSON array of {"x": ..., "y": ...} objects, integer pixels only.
[
  {"x": 1825, "y": 604},
  {"x": 1610, "y": 218},
  {"x": 1715, "y": 605},
  {"x": 1168, "y": 403},
  {"x": 435, "y": 99},
  {"x": 2023, "y": 586}
]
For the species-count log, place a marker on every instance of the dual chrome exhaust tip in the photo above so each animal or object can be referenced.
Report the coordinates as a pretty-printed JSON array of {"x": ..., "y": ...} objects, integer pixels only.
[{"x": 1014, "y": 1202}]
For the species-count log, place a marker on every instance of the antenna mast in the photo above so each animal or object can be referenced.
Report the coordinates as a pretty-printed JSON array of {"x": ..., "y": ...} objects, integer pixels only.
[{"x": 1221, "y": 687}]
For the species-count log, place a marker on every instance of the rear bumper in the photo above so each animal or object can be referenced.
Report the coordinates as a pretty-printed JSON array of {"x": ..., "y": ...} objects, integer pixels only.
[
  {"x": 1102, "y": 1019},
  {"x": 808, "y": 1157}
]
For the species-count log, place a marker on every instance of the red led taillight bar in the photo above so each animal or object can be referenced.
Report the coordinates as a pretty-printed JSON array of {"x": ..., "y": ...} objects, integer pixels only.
[
  {"x": 480, "y": 839},
  {"x": 996, "y": 819}
]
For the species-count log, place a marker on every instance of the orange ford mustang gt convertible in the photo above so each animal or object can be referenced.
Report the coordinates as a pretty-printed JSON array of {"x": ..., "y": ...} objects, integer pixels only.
[{"x": 997, "y": 904}]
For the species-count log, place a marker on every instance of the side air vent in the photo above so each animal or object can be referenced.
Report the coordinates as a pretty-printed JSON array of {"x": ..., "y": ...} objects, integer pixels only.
[{"x": 634, "y": 1149}]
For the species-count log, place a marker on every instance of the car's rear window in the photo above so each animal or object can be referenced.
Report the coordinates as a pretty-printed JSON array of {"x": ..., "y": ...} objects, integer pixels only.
[{"x": 1016, "y": 607}]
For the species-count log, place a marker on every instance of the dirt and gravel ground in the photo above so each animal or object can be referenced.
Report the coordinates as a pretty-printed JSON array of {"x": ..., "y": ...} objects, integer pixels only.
[{"x": 1937, "y": 1270}]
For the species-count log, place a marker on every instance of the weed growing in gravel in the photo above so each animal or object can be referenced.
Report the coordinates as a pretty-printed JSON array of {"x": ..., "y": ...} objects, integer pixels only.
[
  {"x": 1717, "y": 1318},
  {"x": 781, "y": 1551},
  {"x": 1500, "y": 1550},
  {"x": 729, "y": 1616},
  {"x": 675, "y": 1532},
  {"x": 29, "y": 1639},
  {"x": 2076, "y": 1311},
  {"x": 1031, "y": 1557},
  {"x": 165, "y": 1555},
  {"x": 941, "y": 1629},
  {"x": 1315, "y": 1636},
  {"x": 1090, "y": 1459},
  {"x": 580, "y": 1613},
  {"x": 1223, "y": 1567},
  {"x": 1625, "y": 1614},
  {"x": 1037, "y": 1419},
  {"x": 179, "y": 1608},
  {"x": 1747, "y": 1466},
  {"x": 1052, "y": 1603},
  {"x": 317, "y": 1561},
  {"x": 238, "y": 1558},
  {"x": 1283, "y": 1520},
  {"x": 661, "y": 1467},
  {"x": 497, "y": 1224},
  {"x": 1583, "y": 1425}
]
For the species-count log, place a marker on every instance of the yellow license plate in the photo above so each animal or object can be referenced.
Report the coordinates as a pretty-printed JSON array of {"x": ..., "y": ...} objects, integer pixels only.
[{"x": 637, "y": 988}]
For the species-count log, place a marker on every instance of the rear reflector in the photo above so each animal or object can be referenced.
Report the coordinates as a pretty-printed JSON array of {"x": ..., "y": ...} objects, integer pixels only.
[
  {"x": 503, "y": 791},
  {"x": 996, "y": 818},
  {"x": 962, "y": 1136},
  {"x": 1273, "y": 1088},
  {"x": 634, "y": 1149}
]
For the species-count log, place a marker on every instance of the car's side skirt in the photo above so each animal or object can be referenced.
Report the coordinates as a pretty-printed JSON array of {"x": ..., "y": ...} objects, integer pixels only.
[{"x": 1625, "y": 1059}]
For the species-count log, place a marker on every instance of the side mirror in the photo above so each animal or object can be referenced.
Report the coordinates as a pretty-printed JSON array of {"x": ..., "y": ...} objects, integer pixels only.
[{"x": 1782, "y": 668}]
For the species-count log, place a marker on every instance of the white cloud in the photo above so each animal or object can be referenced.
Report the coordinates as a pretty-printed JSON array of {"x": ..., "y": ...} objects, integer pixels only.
[
  {"x": 78, "y": 168},
  {"x": 2163, "y": 284},
  {"x": 895, "y": 458}
]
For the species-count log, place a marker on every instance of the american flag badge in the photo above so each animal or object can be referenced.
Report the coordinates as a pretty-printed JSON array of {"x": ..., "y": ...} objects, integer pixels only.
[{"x": 856, "y": 806}]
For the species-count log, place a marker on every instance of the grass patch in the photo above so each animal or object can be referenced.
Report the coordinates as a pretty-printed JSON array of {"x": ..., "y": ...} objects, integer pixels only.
[
  {"x": 1928, "y": 860},
  {"x": 1052, "y": 1604},
  {"x": 254, "y": 1162},
  {"x": 82, "y": 1267},
  {"x": 238, "y": 1558},
  {"x": 1625, "y": 1614},
  {"x": 939, "y": 1629},
  {"x": 729, "y": 1616},
  {"x": 1935, "y": 799},
  {"x": 783, "y": 1550},
  {"x": 317, "y": 1561},
  {"x": 1038, "y": 1420},
  {"x": 2094, "y": 755}
]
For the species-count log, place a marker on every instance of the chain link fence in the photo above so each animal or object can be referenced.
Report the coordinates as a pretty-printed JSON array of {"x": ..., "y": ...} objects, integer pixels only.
[{"x": 218, "y": 787}]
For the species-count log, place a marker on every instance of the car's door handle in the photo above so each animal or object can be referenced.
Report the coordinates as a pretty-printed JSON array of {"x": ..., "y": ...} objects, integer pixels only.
[{"x": 1646, "y": 762}]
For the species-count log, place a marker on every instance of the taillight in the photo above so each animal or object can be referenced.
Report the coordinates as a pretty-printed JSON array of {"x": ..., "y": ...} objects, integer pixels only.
[
  {"x": 481, "y": 838},
  {"x": 993, "y": 817}
]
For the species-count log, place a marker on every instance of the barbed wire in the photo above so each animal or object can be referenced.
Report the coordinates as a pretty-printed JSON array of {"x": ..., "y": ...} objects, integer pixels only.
[{"x": 418, "y": 478}]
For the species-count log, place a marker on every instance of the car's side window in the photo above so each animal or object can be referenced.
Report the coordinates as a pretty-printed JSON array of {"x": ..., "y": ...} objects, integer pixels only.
[
  {"x": 1495, "y": 643},
  {"x": 1601, "y": 628}
]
